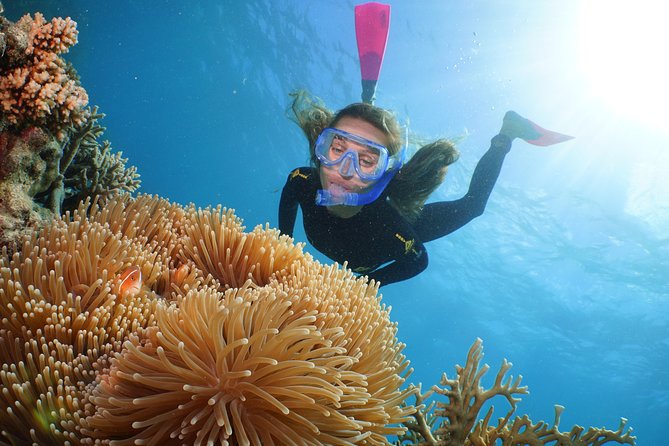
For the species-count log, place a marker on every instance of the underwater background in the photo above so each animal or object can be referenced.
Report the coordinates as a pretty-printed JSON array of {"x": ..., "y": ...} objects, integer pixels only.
[{"x": 566, "y": 273}]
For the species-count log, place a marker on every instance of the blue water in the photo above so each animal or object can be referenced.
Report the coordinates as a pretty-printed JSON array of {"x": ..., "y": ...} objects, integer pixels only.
[{"x": 566, "y": 273}]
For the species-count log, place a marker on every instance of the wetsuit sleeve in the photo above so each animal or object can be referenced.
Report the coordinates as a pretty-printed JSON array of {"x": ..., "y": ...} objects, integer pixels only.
[
  {"x": 439, "y": 219},
  {"x": 401, "y": 269},
  {"x": 288, "y": 204}
]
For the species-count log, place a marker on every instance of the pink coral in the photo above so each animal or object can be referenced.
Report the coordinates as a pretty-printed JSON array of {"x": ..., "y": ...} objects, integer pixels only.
[
  {"x": 35, "y": 86},
  {"x": 55, "y": 37}
]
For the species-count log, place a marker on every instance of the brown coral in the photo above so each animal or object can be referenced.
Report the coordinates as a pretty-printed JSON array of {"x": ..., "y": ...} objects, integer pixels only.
[
  {"x": 89, "y": 168},
  {"x": 28, "y": 166},
  {"x": 299, "y": 352},
  {"x": 41, "y": 176},
  {"x": 454, "y": 422}
]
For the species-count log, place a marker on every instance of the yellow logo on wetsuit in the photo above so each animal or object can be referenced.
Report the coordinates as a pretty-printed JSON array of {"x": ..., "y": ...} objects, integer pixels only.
[
  {"x": 408, "y": 244},
  {"x": 364, "y": 269},
  {"x": 297, "y": 173}
]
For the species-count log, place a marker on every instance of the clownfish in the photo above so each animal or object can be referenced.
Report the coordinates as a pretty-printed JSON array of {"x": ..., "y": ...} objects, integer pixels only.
[
  {"x": 180, "y": 274},
  {"x": 131, "y": 281}
]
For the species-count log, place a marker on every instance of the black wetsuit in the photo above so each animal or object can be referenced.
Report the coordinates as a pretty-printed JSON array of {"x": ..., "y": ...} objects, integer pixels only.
[{"x": 378, "y": 241}]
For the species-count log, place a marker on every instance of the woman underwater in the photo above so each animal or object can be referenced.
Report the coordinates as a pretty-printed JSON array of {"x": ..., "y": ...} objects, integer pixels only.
[{"x": 361, "y": 202}]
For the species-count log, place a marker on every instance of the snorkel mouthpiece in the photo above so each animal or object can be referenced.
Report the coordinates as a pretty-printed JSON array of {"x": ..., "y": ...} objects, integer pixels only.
[
  {"x": 326, "y": 198},
  {"x": 336, "y": 196}
]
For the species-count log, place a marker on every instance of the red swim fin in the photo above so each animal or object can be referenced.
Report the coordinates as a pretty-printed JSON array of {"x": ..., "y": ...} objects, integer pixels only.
[
  {"x": 372, "y": 22},
  {"x": 546, "y": 137}
]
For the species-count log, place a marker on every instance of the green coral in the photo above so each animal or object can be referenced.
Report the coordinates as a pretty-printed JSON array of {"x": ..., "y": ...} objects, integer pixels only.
[{"x": 88, "y": 168}]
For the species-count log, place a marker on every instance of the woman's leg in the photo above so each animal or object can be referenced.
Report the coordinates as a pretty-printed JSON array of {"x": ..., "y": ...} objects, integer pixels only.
[{"x": 439, "y": 219}]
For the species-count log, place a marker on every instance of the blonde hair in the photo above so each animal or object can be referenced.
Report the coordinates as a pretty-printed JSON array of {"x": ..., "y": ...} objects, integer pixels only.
[{"x": 420, "y": 175}]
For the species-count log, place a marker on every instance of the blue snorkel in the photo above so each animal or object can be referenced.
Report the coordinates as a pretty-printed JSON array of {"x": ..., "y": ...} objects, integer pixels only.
[{"x": 327, "y": 198}]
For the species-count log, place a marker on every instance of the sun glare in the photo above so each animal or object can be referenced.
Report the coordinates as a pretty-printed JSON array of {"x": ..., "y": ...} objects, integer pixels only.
[{"x": 624, "y": 55}]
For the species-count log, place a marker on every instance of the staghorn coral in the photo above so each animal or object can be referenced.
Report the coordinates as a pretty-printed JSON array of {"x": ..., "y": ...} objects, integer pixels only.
[
  {"x": 299, "y": 352},
  {"x": 88, "y": 168},
  {"x": 37, "y": 87},
  {"x": 465, "y": 398}
]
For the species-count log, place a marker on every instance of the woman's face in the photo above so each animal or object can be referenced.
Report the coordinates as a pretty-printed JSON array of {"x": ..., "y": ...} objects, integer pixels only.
[{"x": 331, "y": 175}]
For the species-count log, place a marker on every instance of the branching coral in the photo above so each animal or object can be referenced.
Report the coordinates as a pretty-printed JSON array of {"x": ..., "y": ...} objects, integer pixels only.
[
  {"x": 299, "y": 352},
  {"x": 36, "y": 85},
  {"x": 465, "y": 398},
  {"x": 88, "y": 168}
]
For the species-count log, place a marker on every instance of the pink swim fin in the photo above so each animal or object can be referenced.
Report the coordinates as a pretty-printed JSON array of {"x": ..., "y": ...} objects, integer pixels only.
[
  {"x": 546, "y": 137},
  {"x": 372, "y": 23}
]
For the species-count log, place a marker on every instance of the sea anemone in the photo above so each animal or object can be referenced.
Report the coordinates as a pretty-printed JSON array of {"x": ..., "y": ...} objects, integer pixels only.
[{"x": 234, "y": 337}]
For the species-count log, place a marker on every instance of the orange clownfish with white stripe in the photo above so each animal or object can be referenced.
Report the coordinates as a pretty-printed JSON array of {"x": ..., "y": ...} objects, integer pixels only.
[{"x": 131, "y": 281}]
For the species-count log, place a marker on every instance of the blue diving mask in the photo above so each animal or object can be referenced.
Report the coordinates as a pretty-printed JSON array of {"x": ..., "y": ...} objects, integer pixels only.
[{"x": 355, "y": 155}]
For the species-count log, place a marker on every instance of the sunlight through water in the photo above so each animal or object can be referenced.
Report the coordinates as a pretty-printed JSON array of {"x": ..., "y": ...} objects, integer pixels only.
[{"x": 622, "y": 51}]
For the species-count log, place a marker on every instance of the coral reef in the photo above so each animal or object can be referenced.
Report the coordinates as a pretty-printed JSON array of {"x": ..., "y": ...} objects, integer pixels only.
[
  {"x": 455, "y": 422},
  {"x": 28, "y": 166},
  {"x": 88, "y": 168},
  {"x": 232, "y": 337},
  {"x": 35, "y": 83},
  {"x": 50, "y": 157},
  {"x": 41, "y": 176}
]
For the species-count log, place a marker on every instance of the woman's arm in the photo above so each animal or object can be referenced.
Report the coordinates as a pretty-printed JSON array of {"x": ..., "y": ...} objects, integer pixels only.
[{"x": 289, "y": 202}]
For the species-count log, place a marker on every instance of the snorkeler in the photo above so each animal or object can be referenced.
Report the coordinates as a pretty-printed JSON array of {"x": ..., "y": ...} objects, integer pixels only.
[{"x": 362, "y": 204}]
